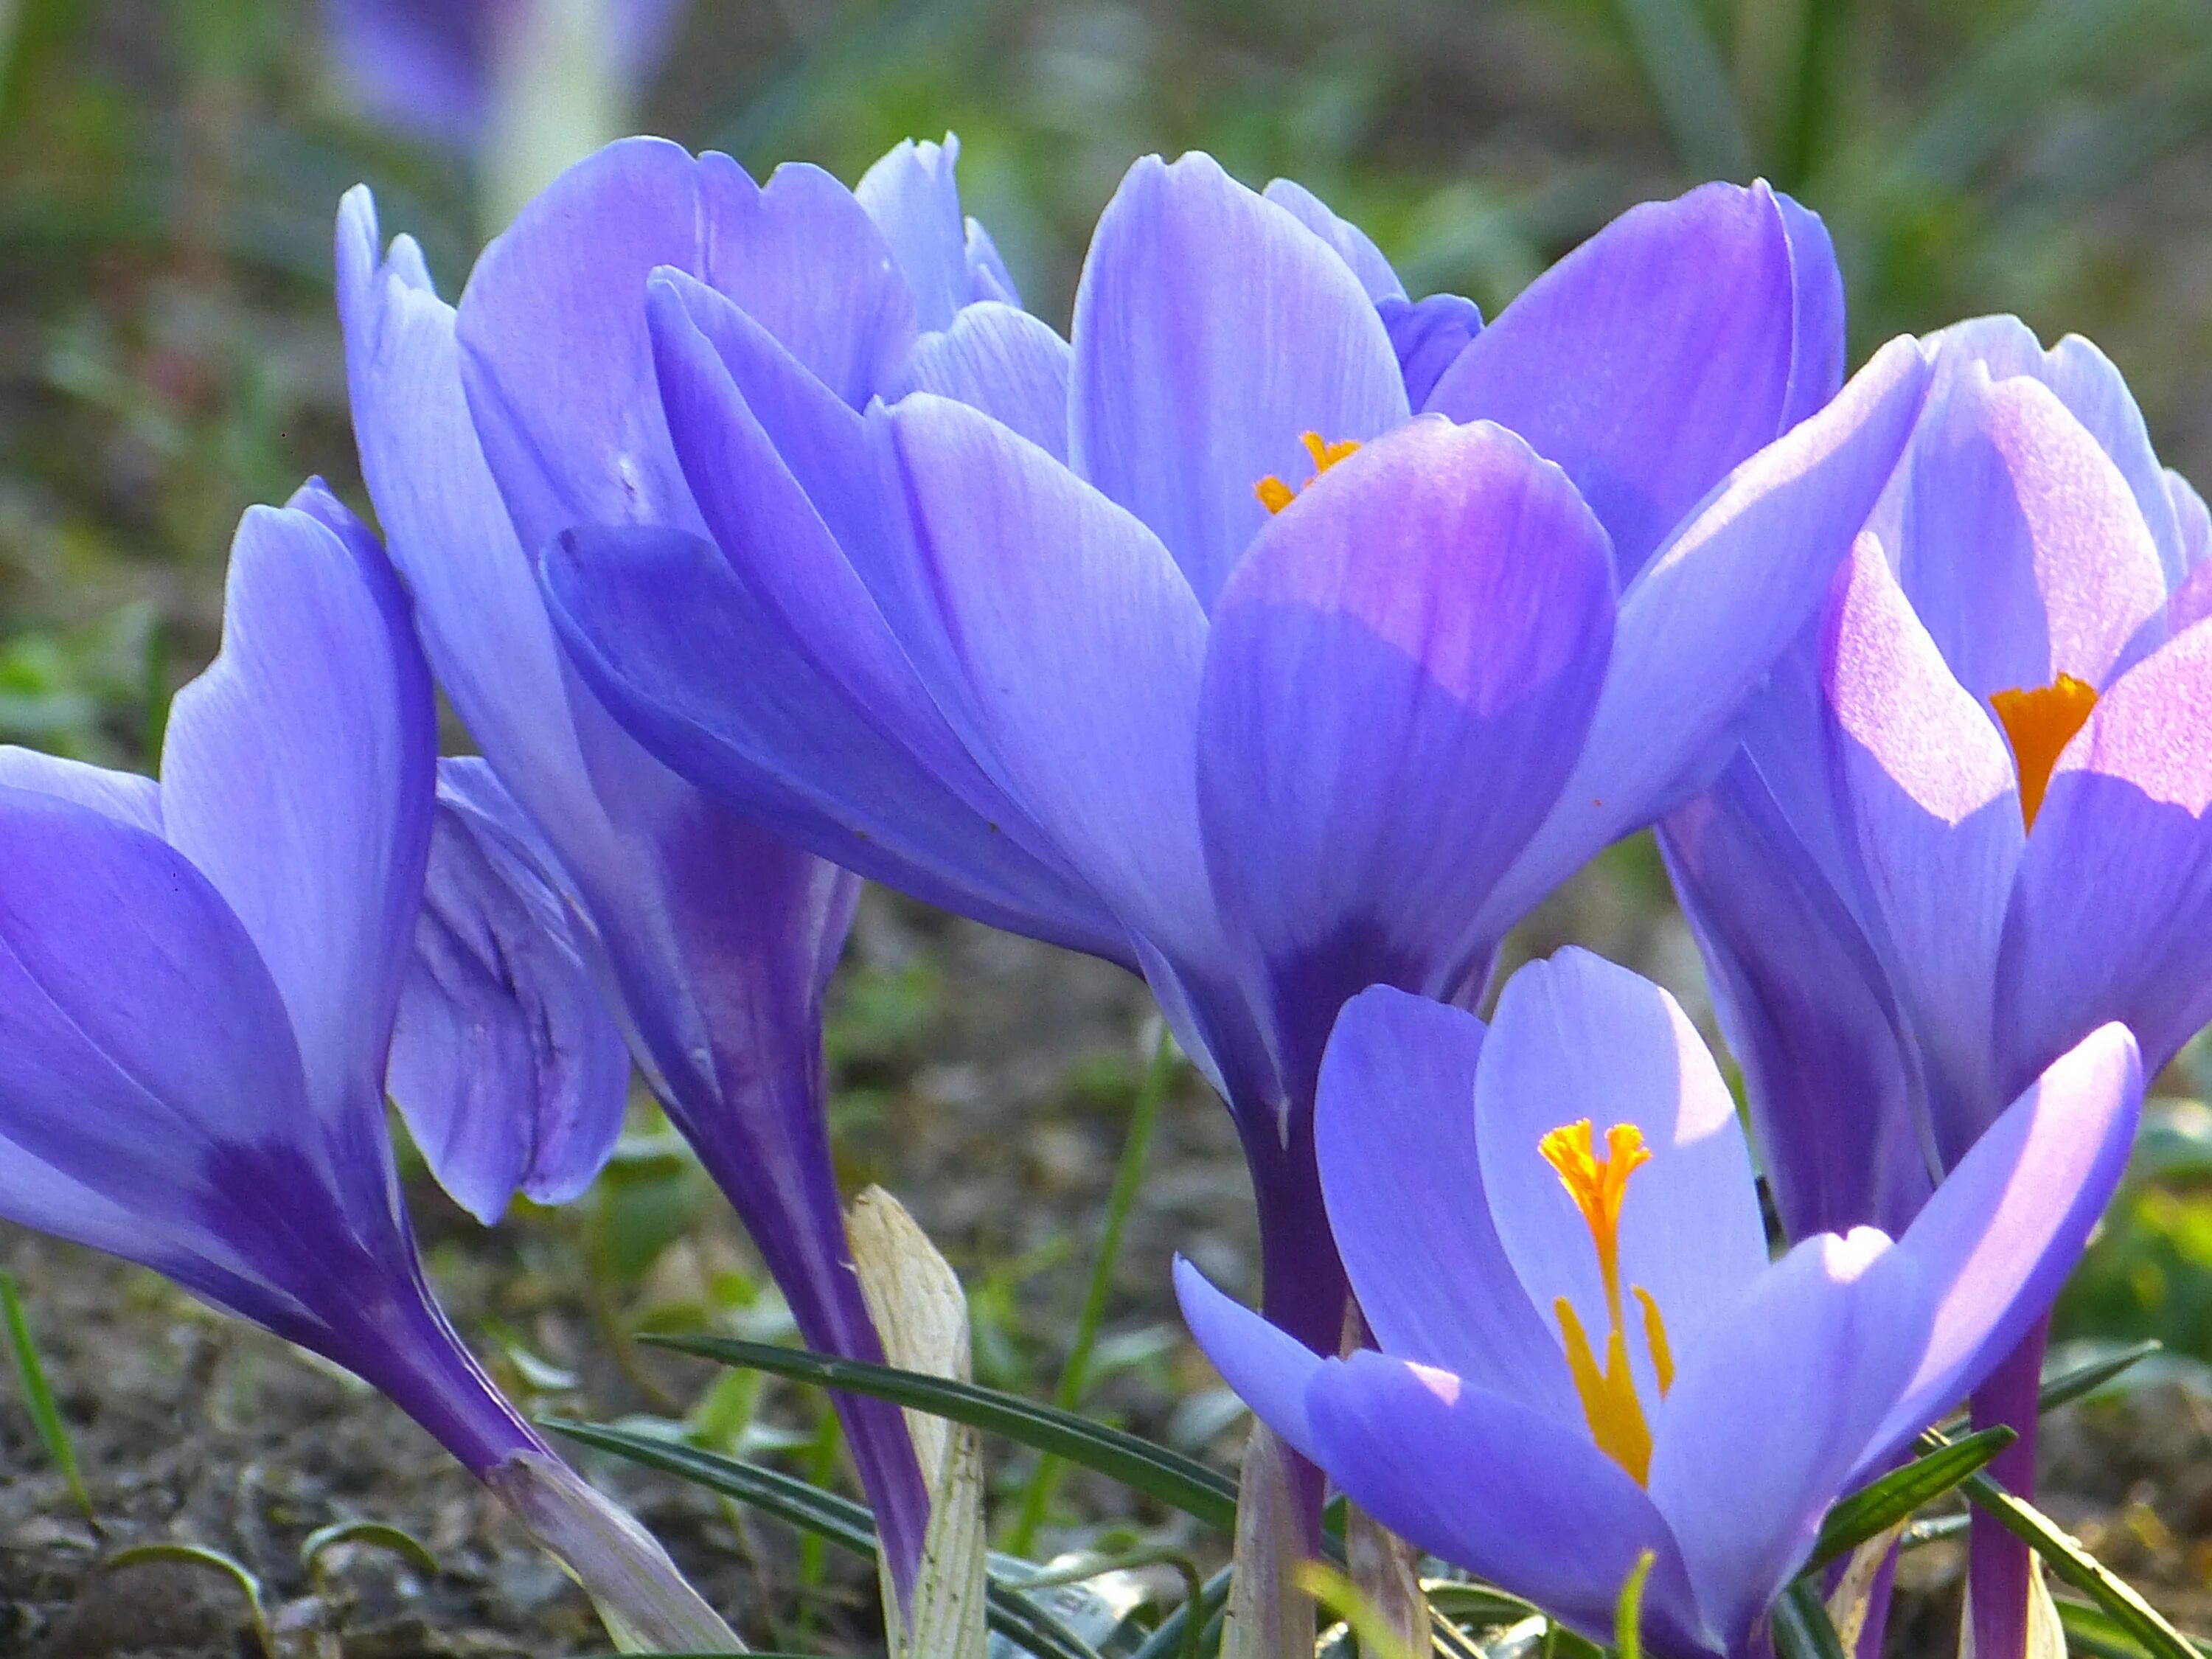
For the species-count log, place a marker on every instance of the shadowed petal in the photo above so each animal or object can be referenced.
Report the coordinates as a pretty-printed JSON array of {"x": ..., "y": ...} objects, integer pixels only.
[
  {"x": 1394, "y": 1127},
  {"x": 1003, "y": 361},
  {"x": 1428, "y": 335},
  {"x": 1268, "y": 1370},
  {"x": 1212, "y": 330},
  {"x": 1400, "y": 675},
  {"x": 1655, "y": 357}
]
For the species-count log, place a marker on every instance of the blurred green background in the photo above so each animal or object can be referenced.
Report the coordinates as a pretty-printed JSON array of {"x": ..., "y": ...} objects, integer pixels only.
[{"x": 169, "y": 169}]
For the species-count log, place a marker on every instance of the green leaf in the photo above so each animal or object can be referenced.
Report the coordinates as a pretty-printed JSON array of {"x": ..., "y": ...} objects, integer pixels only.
[
  {"x": 2096, "y": 1634},
  {"x": 1874, "y": 1509},
  {"x": 1802, "y": 1627},
  {"x": 823, "y": 1515},
  {"x": 2070, "y": 1386},
  {"x": 378, "y": 1533},
  {"x": 1180, "y": 1482},
  {"x": 39, "y": 1399},
  {"x": 1167, "y": 1639},
  {"x": 1628, "y": 1611}
]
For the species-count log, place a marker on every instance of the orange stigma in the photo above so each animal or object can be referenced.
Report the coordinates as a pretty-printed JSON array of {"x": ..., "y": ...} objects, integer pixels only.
[
  {"x": 1597, "y": 1185},
  {"x": 2038, "y": 724},
  {"x": 1274, "y": 494}
]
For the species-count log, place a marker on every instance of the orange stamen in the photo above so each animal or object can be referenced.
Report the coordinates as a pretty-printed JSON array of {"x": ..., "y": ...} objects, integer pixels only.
[
  {"x": 2039, "y": 723},
  {"x": 1274, "y": 494},
  {"x": 1609, "y": 1397},
  {"x": 1597, "y": 1185}
]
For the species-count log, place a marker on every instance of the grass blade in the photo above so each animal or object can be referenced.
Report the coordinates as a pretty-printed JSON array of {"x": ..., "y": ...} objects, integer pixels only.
[
  {"x": 1802, "y": 1627},
  {"x": 39, "y": 1399},
  {"x": 1874, "y": 1509},
  {"x": 1693, "y": 88},
  {"x": 2070, "y": 1386},
  {"x": 1180, "y": 1482},
  {"x": 2095, "y": 1634},
  {"x": 1628, "y": 1611}
]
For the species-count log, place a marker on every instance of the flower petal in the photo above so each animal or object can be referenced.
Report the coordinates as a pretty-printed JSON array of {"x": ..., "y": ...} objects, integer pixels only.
[
  {"x": 1501, "y": 1490},
  {"x": 912, "y": 195},
  {"x": 1268, "y": 1370},
  {"x": 510, "y": 1072},
  {"x": 1578, "y": 1038},
  {"x": 1002, "y": 360},
  {"x": 127, "y": 797},
  {"x": 1398, "y": 678},
  {"x": 1353, "y": 245},
  {"x": 1656, "y": 356},
  {"x": 1764, "y": 1429},
  {"x": 1706, "y": 620},
  {"x": 297, "y": 776},
  {"x": 1428, "y": 335},
  {"x": 1212, "y": 330},
  {"x": 2009, "y": 1222},
  {"x": 1393, "y": 1126}
]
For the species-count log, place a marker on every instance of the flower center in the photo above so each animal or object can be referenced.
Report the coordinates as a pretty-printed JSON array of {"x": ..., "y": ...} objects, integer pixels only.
[
  {"x": 1274, "y": 494},
  {"x": 1607, "y": 1392},
  {"x": 2039, "y": 723}
]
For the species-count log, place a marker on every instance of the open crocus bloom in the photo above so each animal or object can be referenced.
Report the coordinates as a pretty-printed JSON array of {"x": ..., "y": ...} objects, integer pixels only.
[
  {"x": 1584, "y": 1352},
  {"x": 198, "y": 979},
  {"x": 1188, "y": 643}
]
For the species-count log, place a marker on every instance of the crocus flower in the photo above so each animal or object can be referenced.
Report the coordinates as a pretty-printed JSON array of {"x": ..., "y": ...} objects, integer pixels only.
[
  {"x": 1140, "y": 650},
  {"x": 486, "y": 433},
  {"x": 1584, "y": 1352},
  {"x": 197, "y": 984},
  {"x": 1970, "y": 824}
]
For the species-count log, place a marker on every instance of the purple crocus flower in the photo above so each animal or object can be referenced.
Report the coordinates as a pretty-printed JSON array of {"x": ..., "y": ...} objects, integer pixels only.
[
  {"x": 1065, "y": 651},
  {"x": 198, "y": 979},
  {"x": 484, "y": 434},
  {"x": 1969, "y": 824},
  {"x": 1584, "y": 1352}
]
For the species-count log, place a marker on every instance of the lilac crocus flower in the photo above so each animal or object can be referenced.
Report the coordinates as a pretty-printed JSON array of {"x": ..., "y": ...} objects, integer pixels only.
[
  {"x": 1970, "y": 824},
  {"x": 1068, "y": 654},
  {"x": 484, "y": 434},
  {"x": 1584, "y": 1352},
  {"x": 198, "y": 979}
]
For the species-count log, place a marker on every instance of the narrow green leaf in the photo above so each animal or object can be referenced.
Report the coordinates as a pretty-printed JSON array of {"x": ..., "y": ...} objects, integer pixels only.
[
  {"x": 39, "y": 1399},
  {"x": 2070, "y": 1386},
  {"x": 380, "y": 1534},
  {"x": 1874, "y": 1509},
  {"x": 1628, "y": 1611},
  {"x": 195, "y": 1555},
  {"x": 2095, "y": 1634},
  {"x": 1168, "y": 1638},
  {"x": 1691, "y": 86},
  {"x": 1802, "y": 1627},
  {"x": 1182, "y": 1483},
  {"x": 824, "y": 1515}
]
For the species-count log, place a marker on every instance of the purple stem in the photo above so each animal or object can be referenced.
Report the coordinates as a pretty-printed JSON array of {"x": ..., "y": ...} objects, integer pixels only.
[{"x": 1997, "y": 1563}]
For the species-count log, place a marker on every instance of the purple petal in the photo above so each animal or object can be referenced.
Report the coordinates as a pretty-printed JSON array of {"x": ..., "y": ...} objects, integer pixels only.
[
  {"x": 126, "y": 797},
  {"x": 2112, "y": 918},
  {"x": 556, "y": 355},
  {"x": 1268, "y": 1370},
  {"x": 1393, "y": 1126},
  {"x": 1577, "y": 1037},
  {"x": 1351, "y": 244},
  {"x": 2009, "y": 1223},
  {"x": 297, "y": 775},
  {"x": 1212, "y": 330},
  {"x": 1931, "y": 804},
  {"x": 2193, "y": 522},
  {"x": 1002, "y": 360},
  {"x": 1428, "y": 335},
  {"x": 1398, "y": 678},
  {"x": 1707, "y": 619},
  {"x": 1763, "y": 1430},
  {"x": 1805, "y": 1008},
  {"x": 1501, "y": 1490},
  {"x": 2023, "y": 552},
  {"x": 1656, "y": 356},
  {"x": 509, "y": 1069},
  {"x": 1816, "y": 369},
  {"x": 912, "y": 195}
]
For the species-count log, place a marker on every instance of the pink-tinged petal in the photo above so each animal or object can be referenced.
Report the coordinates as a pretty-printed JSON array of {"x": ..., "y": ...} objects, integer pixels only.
[
  {"x": 1002, "y": 360},
  {"x": 1399, "y": 677},
  {"x": 1763, "y": 1428},
  {"x": 1655, "y": 357},
  {"x": 2022, "y": 551},
  {"x": 1708, "y": 618},
  {"x": 1353, "y": 245},
  {"x": 297, "y": 775},
  {"x": 1268, "y": 1370},
  {"x": 2009, "y": 1223},
  {"x": 2112, "y": 918},
  {"x": 127, "y": 797},
  {"x": 1927, "y": 789},
  {"x": 1577, "y": 1037},
  {"x": 2192, "y": 519},
  {"x": 1393, "y": 1126},
  {"x": 1506, "y": 1492},
  {"x": 1212, "y": 330}
]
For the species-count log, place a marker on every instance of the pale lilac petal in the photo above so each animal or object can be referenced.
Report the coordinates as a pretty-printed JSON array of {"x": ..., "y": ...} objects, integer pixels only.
[
  {"x": 2009, "y": 1221},
  {"x": 509, "y": 1069},
  {"x": 1268, "y": 1370},
  {"x": 1578, "y": 1038},
  {"x": 2192, "y": 519},
  {"x": 1212, "y": 330},
  {"x": 1399, "y": 677},
  {"x": 1353, "y": 245},
  {"x": 1428, "y": 335},
  {"x": 1708, "y": 618},
  {"x": 1393, "y": 1125},
  {"x": 2111, "y": 917},
  {"x": 1816, "y": 366},
  {"x": 914, "y": 197},
  {"x": 988, "y": 275},
  {"x": 1002, "y": 360},
  {"x": 1653, "y": 359},
  {"x": 127, "y": 797},
  {"x": 1502, "y": 1491},
  {"x": 1763, "y": 1430}
]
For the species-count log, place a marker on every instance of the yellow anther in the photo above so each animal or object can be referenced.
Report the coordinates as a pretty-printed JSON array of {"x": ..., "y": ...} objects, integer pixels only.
[
  {"x": 1597, "y": 1185},
  {"x": 2040, "y": 722},
  {"x": 1609, "y": 1397},
  {"x": 1274, "y": 494},
  {"x": 1655, "y": 1341}
]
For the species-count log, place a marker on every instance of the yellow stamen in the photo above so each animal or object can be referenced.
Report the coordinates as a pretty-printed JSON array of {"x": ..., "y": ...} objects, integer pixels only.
[
  {"x": 2040, "y": 722},
  {"x": 1609, "y": 1397},
  {"x": 1597, "y": 1185},
  {"x": 1274, "y": 494},
  {"x": 1655, "y": 1341}
]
